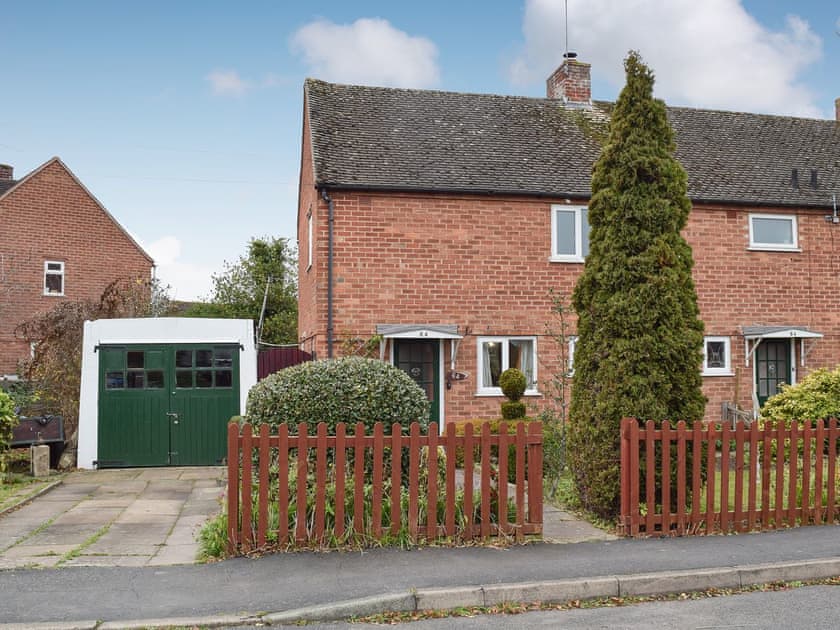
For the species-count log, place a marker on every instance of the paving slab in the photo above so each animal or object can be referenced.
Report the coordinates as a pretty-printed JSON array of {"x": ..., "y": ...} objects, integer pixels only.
[{"x": 175, "y": 554}]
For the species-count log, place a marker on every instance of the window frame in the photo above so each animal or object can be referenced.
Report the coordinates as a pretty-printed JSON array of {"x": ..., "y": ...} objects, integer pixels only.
[
  {"x": 726, "y": 370},
  {"x": 571, "y": 341},
  {"x": 505, "y": 340},
  {"x": 778, "y": 247},
  {"x": 52, "y": 272},
  {"x": 577, "y": 257}
]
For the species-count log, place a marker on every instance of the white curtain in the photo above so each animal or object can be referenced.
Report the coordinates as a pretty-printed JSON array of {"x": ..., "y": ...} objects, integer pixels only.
[
  {"x": 486, "y": 376},
  {"x": 526, "y": 359}
]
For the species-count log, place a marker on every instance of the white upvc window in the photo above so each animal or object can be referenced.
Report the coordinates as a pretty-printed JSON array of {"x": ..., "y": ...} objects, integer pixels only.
[
  {"x": 569, "y": 233},
  {"x": 309, "y": 241},
  {"x": 53, "y": 277},
  {"x": 774, "y": 232},
  {"x": 497, "y": 354},
  {"x": 717, "y": 356}
]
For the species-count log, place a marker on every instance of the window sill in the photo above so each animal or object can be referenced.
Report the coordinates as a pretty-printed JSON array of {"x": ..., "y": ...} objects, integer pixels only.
[
  {"x": 771, "y": 248},
  {"x": 499, "y": 394},
  {"x": 718, "y": 374},
  {"x": 53, "y": 294},
  {"x": 567, "y": 259}
]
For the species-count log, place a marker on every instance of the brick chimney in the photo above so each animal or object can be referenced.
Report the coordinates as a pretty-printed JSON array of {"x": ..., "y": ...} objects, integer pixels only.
[
  {"x": 571, "y": 83},
  {"x": 6, "y": 173},
  {"x": 837, "y": 109}
]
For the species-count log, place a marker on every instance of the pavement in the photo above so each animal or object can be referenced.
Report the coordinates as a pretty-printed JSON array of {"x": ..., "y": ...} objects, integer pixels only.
[
  {"x": 129, "y": 517},
  {"x": 290, "y": 588}
]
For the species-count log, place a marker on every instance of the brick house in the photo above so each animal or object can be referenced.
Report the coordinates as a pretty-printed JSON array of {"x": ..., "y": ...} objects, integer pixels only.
[
  {"x": 441, "y": 221},
  {"x": 57, "y": 242}
]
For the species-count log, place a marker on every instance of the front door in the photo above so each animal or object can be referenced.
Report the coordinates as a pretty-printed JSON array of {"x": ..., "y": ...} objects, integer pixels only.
[
  {"x": 772, "y": 367},
  {"x": 420, "y": 359},
  {"x": 166, "y": 405}
]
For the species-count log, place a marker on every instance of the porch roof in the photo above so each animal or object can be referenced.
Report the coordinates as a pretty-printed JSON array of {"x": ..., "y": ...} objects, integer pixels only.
[
  {"x": 779, "y": 332},
  {"x": 418, "y": 331}
]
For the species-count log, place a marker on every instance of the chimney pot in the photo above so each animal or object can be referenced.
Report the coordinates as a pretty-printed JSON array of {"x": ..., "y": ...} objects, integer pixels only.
[
  {"x": 571, "y": 83},
  {"x": 6, "y": 173}
]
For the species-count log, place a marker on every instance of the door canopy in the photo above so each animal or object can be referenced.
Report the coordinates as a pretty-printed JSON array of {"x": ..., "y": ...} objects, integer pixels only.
[{"x": 753, "y": 336}]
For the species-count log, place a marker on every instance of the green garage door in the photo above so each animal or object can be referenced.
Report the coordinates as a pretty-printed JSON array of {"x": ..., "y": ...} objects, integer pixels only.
[{"x": 166, "y": 405}]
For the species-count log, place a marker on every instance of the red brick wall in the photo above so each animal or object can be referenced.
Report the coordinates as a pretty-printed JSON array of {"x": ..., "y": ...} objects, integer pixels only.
[
  {"x": 51, "y": 217},
  {"x": 482, "y": 263}
]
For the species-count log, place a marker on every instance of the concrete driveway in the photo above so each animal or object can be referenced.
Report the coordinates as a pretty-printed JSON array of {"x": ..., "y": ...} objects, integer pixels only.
[{"x": 126, "y": 517}]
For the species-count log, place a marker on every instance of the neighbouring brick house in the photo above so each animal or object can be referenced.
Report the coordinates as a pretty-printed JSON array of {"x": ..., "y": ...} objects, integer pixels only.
[
  {"x": 57, "y": 242},
  {"x": 441, "y": 221}
]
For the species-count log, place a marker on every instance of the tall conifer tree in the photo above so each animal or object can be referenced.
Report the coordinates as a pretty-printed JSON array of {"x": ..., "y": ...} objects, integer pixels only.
[{"x": 639, "y": 347}]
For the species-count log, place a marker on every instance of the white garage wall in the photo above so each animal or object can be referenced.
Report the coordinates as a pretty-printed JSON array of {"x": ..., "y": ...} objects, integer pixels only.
[{"x": 161, "y": 330}]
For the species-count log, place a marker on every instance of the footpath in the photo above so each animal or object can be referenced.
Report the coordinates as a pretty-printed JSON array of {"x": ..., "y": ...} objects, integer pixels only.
[{"x": 292, "y": 587}]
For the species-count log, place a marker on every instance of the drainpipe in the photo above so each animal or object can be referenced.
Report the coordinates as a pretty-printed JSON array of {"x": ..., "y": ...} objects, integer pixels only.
[{"x": 330, "y": 220}]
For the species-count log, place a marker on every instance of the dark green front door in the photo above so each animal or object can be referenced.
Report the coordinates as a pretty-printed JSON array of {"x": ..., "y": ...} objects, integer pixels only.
[
  {"x": 772, "y": 367},
  {"x": 420, "y": 359},
  {"x": 165, "y": 405}
]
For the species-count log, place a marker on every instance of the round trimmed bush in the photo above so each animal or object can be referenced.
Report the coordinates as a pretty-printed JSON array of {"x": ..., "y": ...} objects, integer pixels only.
[
  {"x": 349, "y": 390},
  {"x": 513, "y": 383},
  {"x": 513, "y": 410}
]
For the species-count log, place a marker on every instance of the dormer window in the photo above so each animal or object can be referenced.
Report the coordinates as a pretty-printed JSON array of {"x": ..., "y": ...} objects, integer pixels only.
[{"x": 53, "y": 278}]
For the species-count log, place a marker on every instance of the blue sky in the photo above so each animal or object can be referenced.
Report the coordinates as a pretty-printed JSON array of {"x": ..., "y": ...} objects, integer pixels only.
[{"x": 184, "y": 118}]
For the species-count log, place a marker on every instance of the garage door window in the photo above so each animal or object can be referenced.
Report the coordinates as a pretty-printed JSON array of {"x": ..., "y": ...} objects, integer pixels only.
[
  {"x": 204, "y": 368},
  {"x": 134, "y": 373}
]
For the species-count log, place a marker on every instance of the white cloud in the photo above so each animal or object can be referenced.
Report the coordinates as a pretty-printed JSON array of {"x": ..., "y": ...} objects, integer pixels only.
[
  {"x": 704, "y": 54},
  {"x": 228, "y": 83},
  {"x": 187, "y": 281},
  {"x": 370, "y": 51}
]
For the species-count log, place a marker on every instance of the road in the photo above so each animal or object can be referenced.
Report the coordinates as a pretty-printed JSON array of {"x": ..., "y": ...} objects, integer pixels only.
[{"x": 800, "y": 608}]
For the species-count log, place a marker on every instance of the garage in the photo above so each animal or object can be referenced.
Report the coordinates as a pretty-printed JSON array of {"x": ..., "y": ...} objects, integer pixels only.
[{"x": 160, "y": 392}]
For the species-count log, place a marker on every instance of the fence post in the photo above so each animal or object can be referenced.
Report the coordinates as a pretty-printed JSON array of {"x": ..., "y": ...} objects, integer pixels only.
[
  {"x": 624, "y": 515},
  {"x": 535, "y": 482},
  {"x": 233, "y": 488}
]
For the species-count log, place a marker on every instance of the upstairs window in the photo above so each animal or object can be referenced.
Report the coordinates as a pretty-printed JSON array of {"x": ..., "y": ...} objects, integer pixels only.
[
  {"x": 773, "y": 232},
  {"x": 569, "y": 233},
  {"x": 53, "y": 278}
]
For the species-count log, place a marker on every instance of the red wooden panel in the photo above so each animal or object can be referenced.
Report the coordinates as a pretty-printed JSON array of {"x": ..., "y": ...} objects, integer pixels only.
[
  {"x": 396, "y": 476},
  {"x": 451, "y": 446},
  {"x": 283, "y": 483},
  {"x": 358, "y": 478},
  {"x": 468, "y": 480},
  {"x": 246, "y": 528},
  {"x": 711, "y": 473},
  {"x": 666, "y": 478},
  {"x": 635, "y": 479},
  {"x": 681, "y": 476},
  {"x": 520, "y": 480},
  {"x": 378, "y": 465},
  {"x": 233, "y": 488},
  {"x": 485, "y": 480},
  {"x": 320, "y": 482},
  {"x": 535, "y": 480},
  {"x": 302, "y": 482},
  {"x": 262, "y": 514},
  {"x": 793, "y": 475},
  {"x": 766, "y": 467},
  {"x": 806, "y": 512},
  {"x": 780, "y": 472},
  {"x": 432, "y": 490},
  {"x": 275, "y": 359},
  {"x": 696, "y": 467},
  {"x": 503, "y": 478},
  {"x": 724, "y": 478},
  {"x": 650, "y": 477},
  {"x": 831, "y": 498},
  {"x": 413, "y": 479},
  {"x": 739, "y": 477},
  {"x": 754, "y": 464},
  {"x": 625, "y": 476},
  {"x": 340, "y": 478},
  {"x": 819, "y": 462}
]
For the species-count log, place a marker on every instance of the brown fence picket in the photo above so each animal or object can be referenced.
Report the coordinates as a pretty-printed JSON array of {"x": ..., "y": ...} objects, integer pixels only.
[
  {"x": 696, "y": 467},
  {"x": 451, "y": 455},
  {"x": 340, "y": 472},
  {"x": 301, "y": 482},
  {"x": 262, "y": 503},
  {"x": 501, "y": 517},
  {"x": 681, "y": 477},
  {"x": 396, "y": 476},
  {"x": 283, "y": 484},
  {"x": 805, "y": 507},
  {"x": 233, "y": 488},
  {"x": 780, "y": 473},
  {"x": 738, "y": 517},
  {"x": 378, "y": 474},
  {"x": 320, "y": 482},
  {"x": 650, "y": 476},
  {"x": 635, "y": 476},
  {"x": 432, "y": 489},
  {"x": 485, "y": 479},
  {"x": 413, "y": 480},
  {"x": 754, "y": 465},
  {"x": 766, "y": 468},
  {"x": 359, "y": 478},
  {"x": 724, "y": 477},
  {"x": 792, "y": 473},
  {"x": 831, "y": 482},
  {"x": 535, "y": 485},
  {"x": 665, "y": 443},
  {"x": 246, "y": 529},
  {"x": 710, "y": 480},
  {"x": 468, "y": 480},
  {"x": 819, "y": 444},
  {"x": 520, "y": 480}
]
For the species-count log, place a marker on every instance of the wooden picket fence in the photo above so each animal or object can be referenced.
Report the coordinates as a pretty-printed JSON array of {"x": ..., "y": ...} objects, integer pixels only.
[
  {"x": 716, "y": 478},
  {"x": 340, "y": 460}
]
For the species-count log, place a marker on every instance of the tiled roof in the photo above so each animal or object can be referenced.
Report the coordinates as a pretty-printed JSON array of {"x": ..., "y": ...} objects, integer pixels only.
[{"x": 386, "y": 138}]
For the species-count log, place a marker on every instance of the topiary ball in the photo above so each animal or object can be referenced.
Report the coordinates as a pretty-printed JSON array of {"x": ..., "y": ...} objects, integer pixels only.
[
  {"x": 513, "y": 410},
  {"x": 513, "y": 383}
]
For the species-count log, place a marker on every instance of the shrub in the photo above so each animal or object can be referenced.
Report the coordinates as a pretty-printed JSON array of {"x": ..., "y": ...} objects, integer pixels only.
[
  {"x": 513, "y": 410},
  {"x": 8, "y": 420},
  {"x": 513, "y": 384},
  {"x": 349, "y": 389},
  {"x": 815, "y": 397}
]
